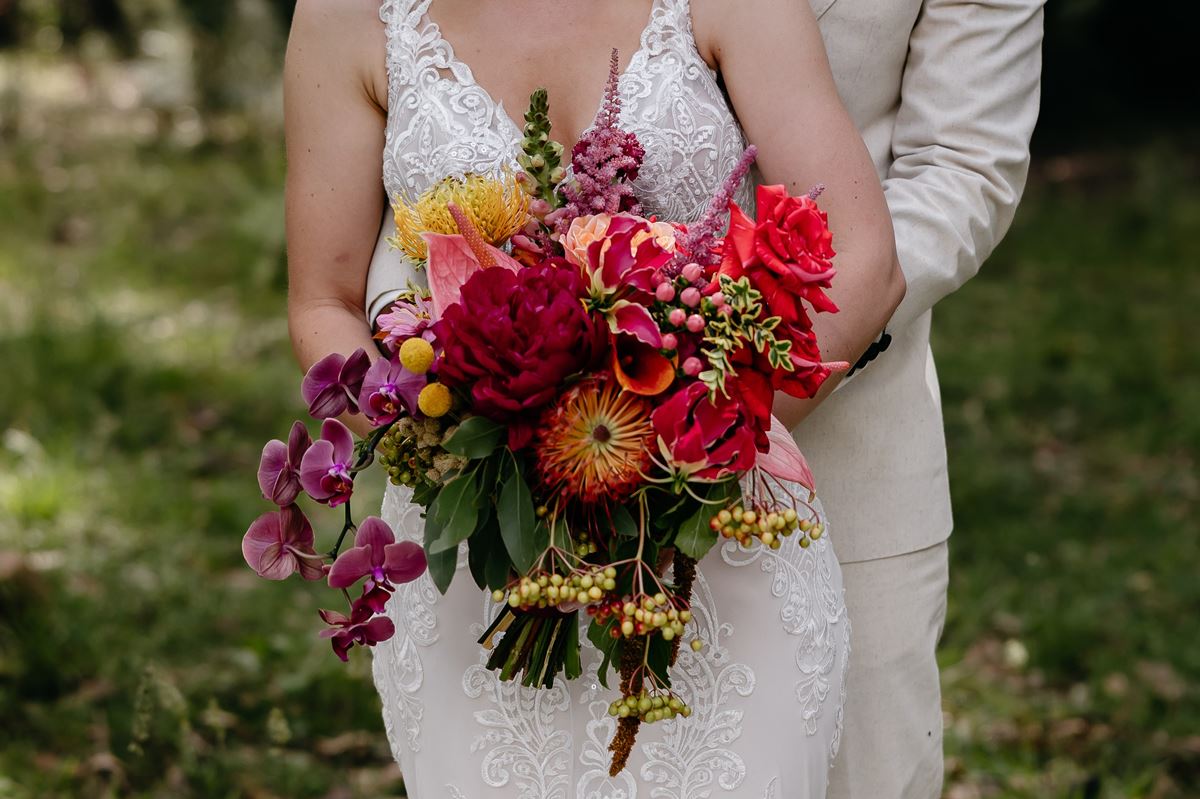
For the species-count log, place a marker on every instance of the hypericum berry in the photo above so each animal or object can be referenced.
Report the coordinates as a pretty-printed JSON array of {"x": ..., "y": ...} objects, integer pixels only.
[
  {"x": 690, "y": 296},
  {"x": 669, "y": 341},
  {"x": 692, "y": 272},
  {"x": 695, "y": 323},
  {"x": 665, "y": 292},
  {"x": 693, "y": 366},
  {"x": 677, "y": 317}
]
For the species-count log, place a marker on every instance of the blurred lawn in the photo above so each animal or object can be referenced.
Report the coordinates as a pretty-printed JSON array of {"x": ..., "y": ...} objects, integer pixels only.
[{"x": 146, "y": 361}]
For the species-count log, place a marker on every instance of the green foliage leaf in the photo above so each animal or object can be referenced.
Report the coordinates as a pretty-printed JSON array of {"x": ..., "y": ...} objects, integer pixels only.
[
  {"x": 441, "y": 564},
  {"x": 476, "y": 437},
  {"x": 518, "y": 522},
  {"x": 696, "y": 536},
  {"x": 571, "y": 665},
  {"x": 457, "y": 511},
  {"x": 623, "y": 522}
]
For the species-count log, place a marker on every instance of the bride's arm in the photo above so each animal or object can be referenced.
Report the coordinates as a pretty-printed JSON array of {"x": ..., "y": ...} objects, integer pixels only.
[
  {"x": 774, "y": 65},
  {"x": 334, "y": 126}
]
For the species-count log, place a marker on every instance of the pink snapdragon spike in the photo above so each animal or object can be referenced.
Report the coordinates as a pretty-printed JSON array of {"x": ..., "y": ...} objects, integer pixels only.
[
  {"x": 280, "y": 543},
  {"x": 332, "y": 385},
  {"x": 361, "y": 627},
  {"x": 405, "y": 319},
  {"x": 783, "y": 459},
  {"x": 377, "y": 556},
  {"x": 325, "y": 470},
  {"x": 279, "y": 469},
  {"x": 388, "y": 391},
  {"x": 451, "y": 263}
]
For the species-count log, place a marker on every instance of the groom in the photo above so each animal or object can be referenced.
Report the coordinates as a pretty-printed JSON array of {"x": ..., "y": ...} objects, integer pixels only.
[{"x": 945, "y": 93}]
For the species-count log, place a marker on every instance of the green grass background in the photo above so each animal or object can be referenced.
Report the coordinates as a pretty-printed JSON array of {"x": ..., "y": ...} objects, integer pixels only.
[{"x": 145, "y": 361}]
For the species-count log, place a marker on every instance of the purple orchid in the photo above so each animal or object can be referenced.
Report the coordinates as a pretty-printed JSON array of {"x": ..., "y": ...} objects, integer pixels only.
[
  {"x": 332, "y": 385},
  {"x": 279, "y": 469},
  {"x": 280, "y": 543},
  {"x": 389, "y": 390},
  {"x": 361, "y": 627},
  {"x": 378, "y": 557},
  {"x": 407, "y": 317},
  {"x": 325, "y": 469}
]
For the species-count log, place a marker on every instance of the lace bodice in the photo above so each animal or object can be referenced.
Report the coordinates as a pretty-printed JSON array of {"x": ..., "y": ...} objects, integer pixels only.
[{"x": 442, "y": 123}]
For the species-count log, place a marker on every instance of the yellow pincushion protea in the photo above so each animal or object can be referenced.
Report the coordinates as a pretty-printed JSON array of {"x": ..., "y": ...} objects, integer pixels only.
[{"x": 498, "y": 207}]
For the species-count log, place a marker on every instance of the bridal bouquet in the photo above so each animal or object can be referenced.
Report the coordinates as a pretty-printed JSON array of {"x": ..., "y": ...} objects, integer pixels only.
[{"x": 582, "y": 397}]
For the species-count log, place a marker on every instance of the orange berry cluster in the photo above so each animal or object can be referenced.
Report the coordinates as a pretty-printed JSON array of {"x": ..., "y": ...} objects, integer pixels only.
[{"x": 644, "y": 615}]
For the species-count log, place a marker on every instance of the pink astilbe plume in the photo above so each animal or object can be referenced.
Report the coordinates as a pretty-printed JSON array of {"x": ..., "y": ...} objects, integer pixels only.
[
  {"x": 604, "y": 162},
  {"x": 699, "y": 245}
]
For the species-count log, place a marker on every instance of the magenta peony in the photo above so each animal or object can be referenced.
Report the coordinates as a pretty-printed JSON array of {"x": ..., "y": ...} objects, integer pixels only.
[{"x": 512, "y": 340}]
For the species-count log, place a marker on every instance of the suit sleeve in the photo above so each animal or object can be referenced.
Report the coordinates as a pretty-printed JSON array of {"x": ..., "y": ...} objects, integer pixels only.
[{"x": 969, "y": 101}]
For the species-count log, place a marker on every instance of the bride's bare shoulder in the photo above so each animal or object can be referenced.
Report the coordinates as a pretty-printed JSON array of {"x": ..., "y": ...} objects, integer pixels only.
[
  {"x": 345, "y": 37},
  {"x": 717, "y": 23}
]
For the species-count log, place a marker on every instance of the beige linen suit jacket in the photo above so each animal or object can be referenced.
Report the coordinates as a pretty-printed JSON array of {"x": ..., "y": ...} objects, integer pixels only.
[{"x": 945, "y": 94}]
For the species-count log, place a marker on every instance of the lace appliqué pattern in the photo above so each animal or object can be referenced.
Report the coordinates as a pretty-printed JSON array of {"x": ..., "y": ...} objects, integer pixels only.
[
  {"x": 442, "y": 123},
  {"x": 397, "y": 663},
  {"x": 524, "y": 739},
  {"x": 812, "y": 611}
]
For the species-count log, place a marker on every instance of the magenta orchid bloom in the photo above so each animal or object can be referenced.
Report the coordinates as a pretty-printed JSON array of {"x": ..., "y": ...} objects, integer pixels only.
[
  {"x": 389, "y": 390},
  {"x": 378, "y": 557},
  {"x": 361, "y": 627},
  {"x": 280, "y": 543},
  {"x": 704, "y": 438},
  {"x": 333, "y": 384},
  {"x": 325, "y": 470},
  {"x": 279, "y": 469}
]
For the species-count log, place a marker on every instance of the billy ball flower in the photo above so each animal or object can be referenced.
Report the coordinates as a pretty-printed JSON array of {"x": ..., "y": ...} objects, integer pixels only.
[
  {"x": 435, "y": 400},
  {"x": 416, "y": 355}
]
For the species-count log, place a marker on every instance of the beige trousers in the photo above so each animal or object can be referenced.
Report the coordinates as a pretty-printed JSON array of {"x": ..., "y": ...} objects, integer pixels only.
[{"x": 892, "y": 740}]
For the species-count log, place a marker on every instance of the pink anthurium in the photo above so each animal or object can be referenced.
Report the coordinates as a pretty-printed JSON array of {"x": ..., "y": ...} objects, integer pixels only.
[
  {"x": 783, "y": 459},
  {"x": 451, "y": 262}
]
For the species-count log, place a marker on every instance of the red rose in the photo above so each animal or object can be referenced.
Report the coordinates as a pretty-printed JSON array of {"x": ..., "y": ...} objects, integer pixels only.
[
  {"x": 513, "y": 338},
  {"x": 787, "y": 253}
]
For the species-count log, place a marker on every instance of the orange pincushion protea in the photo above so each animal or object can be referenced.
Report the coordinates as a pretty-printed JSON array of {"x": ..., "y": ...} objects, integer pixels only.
[{"x": 594, "y": 442}]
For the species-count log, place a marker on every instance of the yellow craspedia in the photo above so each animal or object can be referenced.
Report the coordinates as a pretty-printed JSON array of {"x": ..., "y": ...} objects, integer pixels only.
[
  {"x": 434, "y": 400},
  {"x": 416, "y": 355},
  {"x": 497, "y": 206}
]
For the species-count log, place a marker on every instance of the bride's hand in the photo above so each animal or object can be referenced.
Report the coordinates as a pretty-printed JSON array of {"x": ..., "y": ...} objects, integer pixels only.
[{"x": 773, "y": 62}]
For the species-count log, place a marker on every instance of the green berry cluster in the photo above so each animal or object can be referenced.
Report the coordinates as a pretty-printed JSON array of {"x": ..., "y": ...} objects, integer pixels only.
[
  {"x": 541, "y": 156},
  {"x": 768, "y": 527},
  {"x": 545, "y": 590},
  {"x": 649, "y": 707},
  {"x": 412, "y": 454}
]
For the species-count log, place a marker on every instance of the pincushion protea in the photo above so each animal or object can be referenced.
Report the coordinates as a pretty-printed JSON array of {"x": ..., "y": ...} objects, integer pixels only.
[
  {"x": 593, "y": 444},
  {"x": 498, "y": 207}
]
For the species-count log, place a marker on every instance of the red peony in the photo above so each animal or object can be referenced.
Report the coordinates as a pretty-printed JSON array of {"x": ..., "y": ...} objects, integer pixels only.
[
  {"x": 513, "y": 338},
  {"x": 787, "y": 254}
]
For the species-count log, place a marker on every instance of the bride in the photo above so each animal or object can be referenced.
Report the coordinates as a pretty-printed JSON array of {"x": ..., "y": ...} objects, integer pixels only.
[{"x": 385, "y": 101}]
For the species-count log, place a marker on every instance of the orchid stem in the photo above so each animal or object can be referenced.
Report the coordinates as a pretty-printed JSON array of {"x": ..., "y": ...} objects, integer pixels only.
[{"x": 347, "y": 527}]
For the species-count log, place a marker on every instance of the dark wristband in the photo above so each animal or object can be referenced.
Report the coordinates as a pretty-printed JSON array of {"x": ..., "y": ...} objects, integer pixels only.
[{"x": 877, "y": 346}]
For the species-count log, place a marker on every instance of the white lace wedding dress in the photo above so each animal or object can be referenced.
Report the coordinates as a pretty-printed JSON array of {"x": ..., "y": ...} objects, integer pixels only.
[{"x": 768, "y": 686}]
